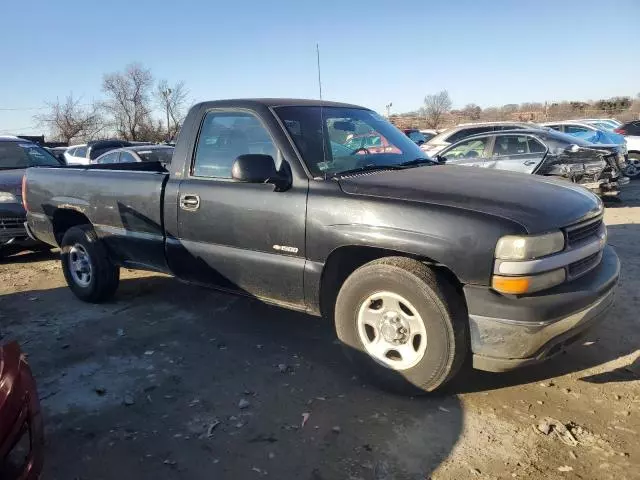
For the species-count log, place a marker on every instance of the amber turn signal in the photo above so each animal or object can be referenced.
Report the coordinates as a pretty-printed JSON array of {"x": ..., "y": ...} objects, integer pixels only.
[
  {"x": 534, "y": 283},
  {"x": 510, "y": 285}
]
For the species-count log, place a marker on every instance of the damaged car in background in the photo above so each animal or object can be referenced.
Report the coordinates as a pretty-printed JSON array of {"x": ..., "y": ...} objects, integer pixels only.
[{"x": 543, "y": 152}]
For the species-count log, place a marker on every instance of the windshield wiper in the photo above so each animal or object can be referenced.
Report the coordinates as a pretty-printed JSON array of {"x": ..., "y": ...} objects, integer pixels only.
[
  {"x": 418, "y": 162},
  {"x": 367, "y": 168}
]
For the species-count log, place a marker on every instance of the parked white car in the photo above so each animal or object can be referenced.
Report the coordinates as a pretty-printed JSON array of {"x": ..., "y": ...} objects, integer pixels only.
[{"x": 77, "y": 155}]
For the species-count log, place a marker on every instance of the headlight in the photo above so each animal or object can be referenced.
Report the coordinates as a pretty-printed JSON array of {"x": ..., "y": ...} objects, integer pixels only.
[
  {"x": 7, "y": 197},
  {"x": 535, "y": 283},
  {"x": 527, "y": 247}
]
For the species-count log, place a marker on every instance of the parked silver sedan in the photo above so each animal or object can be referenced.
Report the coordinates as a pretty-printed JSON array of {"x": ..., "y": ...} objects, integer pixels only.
[{"x": 140, "y": 153}]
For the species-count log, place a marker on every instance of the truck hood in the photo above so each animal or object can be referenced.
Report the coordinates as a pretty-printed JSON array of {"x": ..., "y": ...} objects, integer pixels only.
[
  {"x": 537, "y": 203},
  {"x": 11, "y": 181}
]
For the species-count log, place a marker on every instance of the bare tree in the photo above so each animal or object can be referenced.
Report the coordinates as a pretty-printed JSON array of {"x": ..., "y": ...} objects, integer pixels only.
[
  {"x": 152, "y": 131},
  {"x": 69, "y": 120},
  {"x": 128, "y": 99},
  {"x": 472, "y": 111},
  {"x": 173, "y": 101},
  {"x": 436, "y": 107}
]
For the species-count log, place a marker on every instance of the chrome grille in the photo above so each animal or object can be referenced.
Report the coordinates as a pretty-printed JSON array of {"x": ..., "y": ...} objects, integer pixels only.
[
  {"x": 11, "y": 223},
  {"x": 584, "y": 231}
]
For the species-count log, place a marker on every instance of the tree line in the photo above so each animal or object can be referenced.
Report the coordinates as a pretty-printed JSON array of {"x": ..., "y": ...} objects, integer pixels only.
[
  {"x": 131, "y": 97},
  {"x": 437, "y": 112}
]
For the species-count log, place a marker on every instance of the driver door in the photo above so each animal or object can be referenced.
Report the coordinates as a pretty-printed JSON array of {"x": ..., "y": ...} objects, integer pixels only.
[
  {"x": 517, "y": 153},
  {"x": 242, "y": 237}
]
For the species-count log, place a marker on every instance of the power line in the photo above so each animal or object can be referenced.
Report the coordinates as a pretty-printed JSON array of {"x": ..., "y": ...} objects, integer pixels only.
[
  {"x": 21, "y": 109},
  {"x": 19, "y": 129}
]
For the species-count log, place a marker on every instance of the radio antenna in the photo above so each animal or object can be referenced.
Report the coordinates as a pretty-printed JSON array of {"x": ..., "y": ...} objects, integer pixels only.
[
  {"x": 319, "y": 76},
  {"x": 324, "y": 141}
]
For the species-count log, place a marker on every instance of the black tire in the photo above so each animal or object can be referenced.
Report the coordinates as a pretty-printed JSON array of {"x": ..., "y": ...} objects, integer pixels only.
[
  {"x": 443, "y": 312},
  {"x": 635, "y": 158},
  {"x": 105, "y": 276}
]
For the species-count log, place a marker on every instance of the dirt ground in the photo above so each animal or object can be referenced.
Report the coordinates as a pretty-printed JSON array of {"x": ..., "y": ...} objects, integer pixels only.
[{"x": 172, "y": 381}]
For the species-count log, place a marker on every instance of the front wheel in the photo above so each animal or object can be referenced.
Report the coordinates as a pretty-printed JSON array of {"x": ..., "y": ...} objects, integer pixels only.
[
  {"x": 87, "y": 268},
  {"x": 402, "y": 325},
  {"x": 633, "y": 166}
]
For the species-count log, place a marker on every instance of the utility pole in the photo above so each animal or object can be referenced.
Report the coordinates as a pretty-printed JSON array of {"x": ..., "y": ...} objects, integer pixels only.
[{"x": 166, "y": 94}]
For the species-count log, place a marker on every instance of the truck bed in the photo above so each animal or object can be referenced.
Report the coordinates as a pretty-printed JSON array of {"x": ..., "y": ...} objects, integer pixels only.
[{"x": 122, "y": 201}]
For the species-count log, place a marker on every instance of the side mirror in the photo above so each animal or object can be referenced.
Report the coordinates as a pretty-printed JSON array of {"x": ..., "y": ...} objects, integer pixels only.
[
  {"x": 440, "y": 159},
  {"x": 256, "y": 168}
]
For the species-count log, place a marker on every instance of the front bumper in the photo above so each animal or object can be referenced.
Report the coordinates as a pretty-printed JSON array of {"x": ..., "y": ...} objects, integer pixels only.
[
  {"x": 606, "y": 187},
  {"x": 12, "y": 218},
  {"x": 509, "y": 332}
]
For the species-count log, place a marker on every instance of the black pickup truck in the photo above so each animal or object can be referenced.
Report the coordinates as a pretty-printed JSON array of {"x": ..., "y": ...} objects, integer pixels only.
[{"x": 418, "y": 264}]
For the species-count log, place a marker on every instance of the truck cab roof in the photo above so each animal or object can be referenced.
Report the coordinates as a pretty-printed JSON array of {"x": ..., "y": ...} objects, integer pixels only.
[{"x": 275, "y": 102}]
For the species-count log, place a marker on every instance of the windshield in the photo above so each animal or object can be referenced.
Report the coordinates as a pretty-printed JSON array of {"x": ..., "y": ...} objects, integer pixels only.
[
  {"x": 603, "y": 125},
  {"x": 23, "y": 155},
  {"x": 344, "y": 139},
  {"x": 162, "y": 155}
]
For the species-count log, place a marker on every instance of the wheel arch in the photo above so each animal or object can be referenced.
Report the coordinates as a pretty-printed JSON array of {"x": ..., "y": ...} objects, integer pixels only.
[
  {"x": 344, "y": 260},
  {"x": 65, "y": 218}
]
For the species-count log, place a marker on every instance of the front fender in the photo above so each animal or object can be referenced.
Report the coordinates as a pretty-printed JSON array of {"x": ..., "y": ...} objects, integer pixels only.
[
  {"x": 431, "y": 246},
  {"x": 462, "y": 240}
]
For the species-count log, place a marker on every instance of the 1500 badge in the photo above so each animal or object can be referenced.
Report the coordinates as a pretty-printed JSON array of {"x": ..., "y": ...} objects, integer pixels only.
[{"x": 284, "y": 248}]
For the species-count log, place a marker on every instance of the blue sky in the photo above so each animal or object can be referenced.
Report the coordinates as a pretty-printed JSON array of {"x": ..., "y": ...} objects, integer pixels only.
[{"x": 373, "y": 52}]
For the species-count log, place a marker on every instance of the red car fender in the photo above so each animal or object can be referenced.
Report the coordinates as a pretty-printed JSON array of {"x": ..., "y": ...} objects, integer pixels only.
[{"x": 19, "y": 413}]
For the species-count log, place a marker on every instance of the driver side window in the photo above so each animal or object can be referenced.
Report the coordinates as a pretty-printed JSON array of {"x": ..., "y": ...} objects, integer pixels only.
[
  {"x": 224, "y": 136},
  {"x": 467, "y": 149}
]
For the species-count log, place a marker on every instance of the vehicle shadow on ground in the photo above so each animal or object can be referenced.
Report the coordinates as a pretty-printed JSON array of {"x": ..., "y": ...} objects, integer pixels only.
[
  {"x": 629, "y": 197},
  {"x": 16, "y": 256},
  {"x": 221, "y": 346},
  {"x": 616, "y": 336}
]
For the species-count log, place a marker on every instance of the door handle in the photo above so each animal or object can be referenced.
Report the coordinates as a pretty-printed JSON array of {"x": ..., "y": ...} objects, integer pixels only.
[
  {"x": 189, "y": 201},
  {"x": 530, "y": 162}
]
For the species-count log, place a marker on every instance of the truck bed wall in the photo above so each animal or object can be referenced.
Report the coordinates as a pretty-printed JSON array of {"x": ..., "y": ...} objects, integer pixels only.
[{"x": 125, "y": 208}]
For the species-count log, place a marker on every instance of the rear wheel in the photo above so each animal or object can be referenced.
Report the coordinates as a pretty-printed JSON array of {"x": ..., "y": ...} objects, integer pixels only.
[
  {"x": 87, "y": 268},
  {"x": 402, "y": 325},
  {"x": 633, "y": 165}
]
